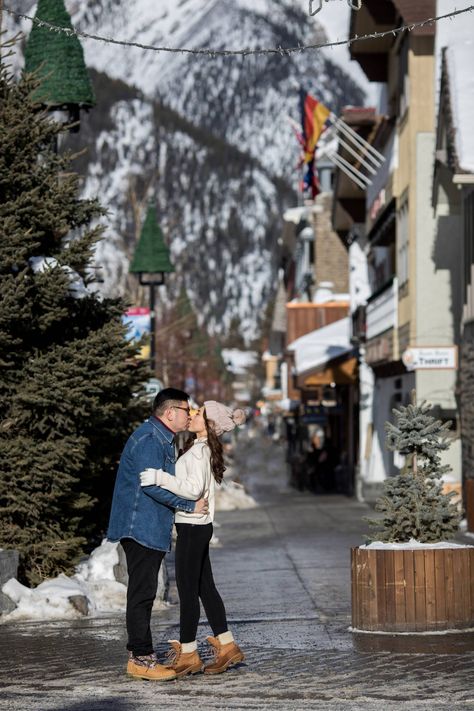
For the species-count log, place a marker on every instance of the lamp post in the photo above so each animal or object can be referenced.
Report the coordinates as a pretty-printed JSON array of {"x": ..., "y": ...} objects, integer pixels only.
[{"x": 151, "y": 261}]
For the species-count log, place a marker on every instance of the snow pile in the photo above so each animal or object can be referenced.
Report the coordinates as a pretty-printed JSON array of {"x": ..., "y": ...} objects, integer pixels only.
[
  {"x": 215, "y": 542},
  {"x": 231, "y": 496},
  {"x": 50, "y": 600},
  {"x": 98, "y": 576},
  {"x": 92, "y": 589},
  {"x": 412, "y": 544},
  {"x": 77, "y": 288}
]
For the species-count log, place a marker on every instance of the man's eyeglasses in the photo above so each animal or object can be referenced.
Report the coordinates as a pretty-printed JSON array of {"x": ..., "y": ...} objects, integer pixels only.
[{"x": 186, "y": 409}]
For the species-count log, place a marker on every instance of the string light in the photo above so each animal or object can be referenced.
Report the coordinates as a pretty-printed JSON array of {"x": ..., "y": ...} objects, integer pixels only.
[{"x": 244, "y": 52}]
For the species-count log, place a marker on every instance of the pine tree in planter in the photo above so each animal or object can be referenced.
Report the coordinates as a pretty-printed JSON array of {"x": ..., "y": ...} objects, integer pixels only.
[
  {"x": 398, "y": 585},
  {"x": 67, "y": 374},
  {"x": 413, "y": 504}
]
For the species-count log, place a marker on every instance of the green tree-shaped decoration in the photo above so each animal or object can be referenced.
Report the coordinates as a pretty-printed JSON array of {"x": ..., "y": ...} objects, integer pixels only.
[
  {"x": 68, "y": 376},
  {"x": 58, "y": 59},
  {"x": 413, "y": 504}
]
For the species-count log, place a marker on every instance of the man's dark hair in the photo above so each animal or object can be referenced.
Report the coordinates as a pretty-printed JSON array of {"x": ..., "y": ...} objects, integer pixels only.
[{"x": 167, "y": 398}]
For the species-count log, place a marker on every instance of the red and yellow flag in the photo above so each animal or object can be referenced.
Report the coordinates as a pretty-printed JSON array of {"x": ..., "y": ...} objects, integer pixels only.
[{"x": 313, "y": 117}]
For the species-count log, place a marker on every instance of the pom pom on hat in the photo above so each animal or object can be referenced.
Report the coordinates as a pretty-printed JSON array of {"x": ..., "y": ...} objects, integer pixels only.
[
  {"x": 239, "y": 416},
  {"x": 223, "y": 417}
]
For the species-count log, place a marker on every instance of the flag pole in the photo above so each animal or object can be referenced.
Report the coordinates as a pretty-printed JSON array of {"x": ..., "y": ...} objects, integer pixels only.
[
  {"x": 351, "y": 173},
  {"x": 376, "y": 157}
]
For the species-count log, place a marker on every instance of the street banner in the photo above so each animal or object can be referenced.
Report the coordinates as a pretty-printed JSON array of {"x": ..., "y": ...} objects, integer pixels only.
[{"x": 138, "y": 322}]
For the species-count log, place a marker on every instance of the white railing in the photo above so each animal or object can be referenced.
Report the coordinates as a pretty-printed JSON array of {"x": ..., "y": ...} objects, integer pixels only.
[{"x": 382, "y": 310}]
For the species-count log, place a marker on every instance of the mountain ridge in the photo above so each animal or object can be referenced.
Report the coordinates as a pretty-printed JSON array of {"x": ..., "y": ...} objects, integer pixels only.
[{"x": 206, "y": 138}]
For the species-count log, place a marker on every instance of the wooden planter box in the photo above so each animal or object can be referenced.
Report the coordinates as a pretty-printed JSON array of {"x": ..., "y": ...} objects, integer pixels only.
[
  {"x": 422, "y": 590},
  {"x": 469, "y": 503}
]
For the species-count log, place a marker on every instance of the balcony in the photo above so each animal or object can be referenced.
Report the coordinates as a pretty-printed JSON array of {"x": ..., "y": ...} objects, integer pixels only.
[
  {"x": 381, "y": 312},
  {"x": 377, "y": 196}
]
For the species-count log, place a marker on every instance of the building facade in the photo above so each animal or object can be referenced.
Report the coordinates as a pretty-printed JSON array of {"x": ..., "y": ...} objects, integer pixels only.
[{"x": 404, "y": 326}]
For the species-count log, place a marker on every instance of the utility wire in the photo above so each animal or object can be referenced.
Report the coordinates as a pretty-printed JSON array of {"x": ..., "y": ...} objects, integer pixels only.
[{"x": 248, "y": 51}]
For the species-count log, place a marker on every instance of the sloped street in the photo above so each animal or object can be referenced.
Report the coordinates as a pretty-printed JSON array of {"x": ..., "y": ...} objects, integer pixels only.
[{"x": 283, "y": 571}]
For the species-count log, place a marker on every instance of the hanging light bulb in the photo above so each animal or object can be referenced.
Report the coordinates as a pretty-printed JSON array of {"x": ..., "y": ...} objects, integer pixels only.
[
  {"x": 353, "y": 4},
  {"x": 311, "y": 10}
]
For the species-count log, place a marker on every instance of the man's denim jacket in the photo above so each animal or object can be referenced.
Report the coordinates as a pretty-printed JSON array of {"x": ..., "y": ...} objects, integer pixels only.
[{"x": 145, "y": 514}]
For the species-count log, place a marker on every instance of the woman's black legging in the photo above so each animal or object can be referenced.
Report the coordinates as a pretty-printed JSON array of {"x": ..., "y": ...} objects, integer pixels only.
[{"x": 194, "y": 580}]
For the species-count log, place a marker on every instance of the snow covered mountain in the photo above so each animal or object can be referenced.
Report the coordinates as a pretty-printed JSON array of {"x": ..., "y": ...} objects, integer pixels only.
[{"x": 207, "y": 137}]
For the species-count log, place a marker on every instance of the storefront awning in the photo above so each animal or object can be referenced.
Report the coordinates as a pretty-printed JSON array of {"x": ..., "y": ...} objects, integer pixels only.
[{"x": 316, "y": 349}]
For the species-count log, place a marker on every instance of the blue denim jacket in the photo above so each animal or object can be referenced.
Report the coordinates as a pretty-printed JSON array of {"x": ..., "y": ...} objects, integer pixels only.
[{"x": 145, "y": 514}]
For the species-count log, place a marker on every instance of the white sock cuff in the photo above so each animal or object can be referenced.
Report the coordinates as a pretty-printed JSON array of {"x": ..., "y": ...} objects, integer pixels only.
[
  {"x": 188, "y": 647},
  {"x": 225, "y": 637}
]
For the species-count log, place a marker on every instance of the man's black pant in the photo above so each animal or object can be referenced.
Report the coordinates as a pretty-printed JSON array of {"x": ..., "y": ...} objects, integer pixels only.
[
  {"x": 143, "y": 566},
  {"x": 194, "y": 580}
]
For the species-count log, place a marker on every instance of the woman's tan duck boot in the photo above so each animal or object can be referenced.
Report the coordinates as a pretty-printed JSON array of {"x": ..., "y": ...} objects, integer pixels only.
[
  {"x": 183, "y": 663},
  {"x": 225, "y": 655}
]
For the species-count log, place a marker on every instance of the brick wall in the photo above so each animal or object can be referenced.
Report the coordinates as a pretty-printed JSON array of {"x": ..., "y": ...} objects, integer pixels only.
[{"x": 330, "y": 255}]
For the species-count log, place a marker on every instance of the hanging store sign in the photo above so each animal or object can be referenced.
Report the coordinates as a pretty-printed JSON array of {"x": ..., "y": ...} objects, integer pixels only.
[{"x": 432, "y": 358}]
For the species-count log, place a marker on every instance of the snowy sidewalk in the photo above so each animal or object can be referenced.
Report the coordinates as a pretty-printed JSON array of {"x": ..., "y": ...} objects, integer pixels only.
[{"x": 283, "y": 571}]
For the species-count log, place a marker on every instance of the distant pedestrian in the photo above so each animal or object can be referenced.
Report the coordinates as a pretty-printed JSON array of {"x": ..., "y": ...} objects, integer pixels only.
[
  {"x": 142, "y": 520},
  {"x": 197, "y": 471}
]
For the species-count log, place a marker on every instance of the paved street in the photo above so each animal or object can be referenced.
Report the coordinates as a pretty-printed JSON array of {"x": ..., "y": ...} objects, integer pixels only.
[{"x": 283, "y": 571}]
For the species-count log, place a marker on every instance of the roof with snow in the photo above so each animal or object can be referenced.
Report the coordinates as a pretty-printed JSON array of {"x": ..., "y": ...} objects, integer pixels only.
[
  {"x": 455, "y": 89},
  {"x": 317, "y": 348},
  {"x": 238, "y": 362},
  {"x": 458, "y": 59}
]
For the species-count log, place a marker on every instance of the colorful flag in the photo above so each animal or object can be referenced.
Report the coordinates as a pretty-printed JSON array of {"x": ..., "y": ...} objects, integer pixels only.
[
  {"x": 313, "y": 117},
  {"x": 311, "y": 180}
]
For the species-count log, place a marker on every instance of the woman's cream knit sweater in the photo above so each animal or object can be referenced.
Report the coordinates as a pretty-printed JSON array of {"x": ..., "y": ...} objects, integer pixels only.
[{"x": 193, "y": 480}]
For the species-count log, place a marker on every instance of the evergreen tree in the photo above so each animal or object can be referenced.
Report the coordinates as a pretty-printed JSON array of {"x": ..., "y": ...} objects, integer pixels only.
[
  {"x": 413, "y": 504},
  {"x": 67, "y": 374}
]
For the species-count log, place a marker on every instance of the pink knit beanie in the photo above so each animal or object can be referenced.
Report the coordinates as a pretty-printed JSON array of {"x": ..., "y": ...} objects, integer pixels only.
[{"x": 224, "y": 418}]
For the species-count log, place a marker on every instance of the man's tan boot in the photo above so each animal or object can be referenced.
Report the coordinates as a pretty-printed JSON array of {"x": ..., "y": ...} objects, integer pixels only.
[
  {"x": 225, "y": 655},
  {"x": 148, "y": 668},
  {"x": 183, "y": 663}
]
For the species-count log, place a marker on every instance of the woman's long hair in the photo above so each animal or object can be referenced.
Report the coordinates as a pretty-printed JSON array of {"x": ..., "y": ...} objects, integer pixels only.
[{"x": 217, "y": 450}]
